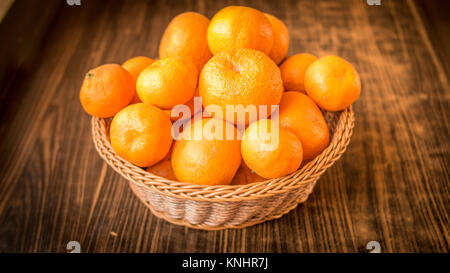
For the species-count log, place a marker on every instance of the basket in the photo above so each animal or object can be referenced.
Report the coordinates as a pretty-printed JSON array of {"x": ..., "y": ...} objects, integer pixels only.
[{"x": 226, "y": 206}]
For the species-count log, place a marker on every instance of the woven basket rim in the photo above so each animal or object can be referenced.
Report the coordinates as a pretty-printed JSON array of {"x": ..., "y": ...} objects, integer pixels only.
[{"x": 231, "y": 193}]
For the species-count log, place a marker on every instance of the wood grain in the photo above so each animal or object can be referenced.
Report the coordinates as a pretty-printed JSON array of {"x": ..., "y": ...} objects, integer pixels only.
[{"x": 391, "y": 186}]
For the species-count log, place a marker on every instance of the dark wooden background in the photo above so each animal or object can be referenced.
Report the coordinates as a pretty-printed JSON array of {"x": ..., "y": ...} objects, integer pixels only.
[{"x": 391, "y": 186}]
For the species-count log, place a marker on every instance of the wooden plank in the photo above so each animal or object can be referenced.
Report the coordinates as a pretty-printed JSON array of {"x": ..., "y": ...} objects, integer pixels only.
[
  {"x": 4, "y": 7},
  {"x": 390, "y": 186},
  {"x": 23, "y": 30},
  {"x": 436, "y": 23}
]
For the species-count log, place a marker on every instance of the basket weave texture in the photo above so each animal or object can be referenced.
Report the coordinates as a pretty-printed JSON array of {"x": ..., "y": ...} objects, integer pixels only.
[{"x": 226, "y": 206}]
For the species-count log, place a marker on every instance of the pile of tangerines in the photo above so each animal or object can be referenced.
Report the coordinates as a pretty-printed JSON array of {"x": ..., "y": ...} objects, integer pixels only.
[{"x": 232, "y": 59}]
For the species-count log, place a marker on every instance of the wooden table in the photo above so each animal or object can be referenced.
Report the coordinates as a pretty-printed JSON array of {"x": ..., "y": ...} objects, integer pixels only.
[{"x": 391, "y": 186}]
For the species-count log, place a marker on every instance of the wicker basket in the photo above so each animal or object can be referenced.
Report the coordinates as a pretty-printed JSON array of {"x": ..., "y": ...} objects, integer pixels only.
[{"x": 226, "y": 206}]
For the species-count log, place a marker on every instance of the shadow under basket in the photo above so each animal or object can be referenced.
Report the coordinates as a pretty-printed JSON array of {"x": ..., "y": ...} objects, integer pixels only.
[{"x": 226, "y": 206}]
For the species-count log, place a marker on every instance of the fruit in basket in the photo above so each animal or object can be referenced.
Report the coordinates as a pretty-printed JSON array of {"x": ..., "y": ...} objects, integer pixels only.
[
  {"x": 244, "y": 77},
  {"x": 293, "y": 71},
  {"x": 164, "y": 167},
  {"x": 135, "y": 66},
  {"x": 186, "y": 36},
  {"x": 238, "y": 85},
  {"x": 168, "y": 82},
  {"x": 141, "y": 134},
  {"x": 189, "y": 104},
  {"x": 300, "y": 114},
  {"x": 204, "y": 155},
  {"x": 237, "y": 27},
  {"x": 280, "y": 39},
  {"x": 271, "y": 150},
  {"x": 333, "y": 83},
  {"x": 106, "y": 90},
  {"x": 245, "y": 175}
]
